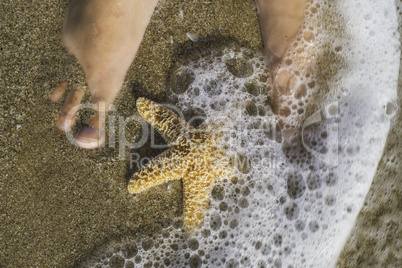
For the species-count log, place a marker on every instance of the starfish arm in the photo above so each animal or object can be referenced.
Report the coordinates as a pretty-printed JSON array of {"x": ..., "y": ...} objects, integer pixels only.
[
  {"x": 165, "y": 167},
  {"x": 164, "y": 120},
  {"x": 195, "y": 157},
  {"x": 196, "y": 195}
]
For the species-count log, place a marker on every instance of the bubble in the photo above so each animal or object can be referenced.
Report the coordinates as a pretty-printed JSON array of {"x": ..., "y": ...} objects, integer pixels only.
[
  {"x": 295, "y": 185},
  {"x": 278, "y": 240},
  {"x": 331, "y": 179},
  {"x": 130, "y": 250},
  {"x": 243, "y": 202},
  {"x": 390, "y": 109},
  {"x": 245, "y": 261},
  {"x": 287, "y": 250},
  {"x": 300, "y": 225},
  {"x": 251, "y": 109},
  {"x": 284, "y": 111},
  {"x": 332, "y": 110},
  {"x": 109, "y": 253},
  {"x": 216, "y": 221},
  {"x": 234, "y": 223},
  {"x": 193, "y": 244},
  {"x": 266, "y": 249},
  {"x": 205, "y": 233},
  {"x": 292, "y": 211},
  {"x": 181, "y": 80},
  {"x": 278, "y": 263},
  {"x": 223, "y": 206},
  {"x": 211, "y": 87},
  {"x": 232, "y": 264},
  {"x": 330, "y": 200},
  {"x": 252, "y": 88},
  {"x": 167, "y": 261},
  {"x": 300, "y": 111},
  {"x": 239, "y": 67},
  {"x": 308, "y": 36},
  {"x": 311, "y": 84},
  {"x": 129, "y": 264},
  {"x": 338, "y": 48},
  {"x": 148, "y": 264},
  {"x": 313, "y": 181},
  {"x": 245, "y": 191},
  {"x": 313, "y": 226},
  {"x": 175, "y": 247},
  {"x": 137, "y": 259},
  {"x": 218, "y": 192},
  {"x": 264, "y": 79},
  {"x": 262, "y": 111},
  {"x": 223, "y": 234},
  {"x": 285, "y": 82},
  {"x": 147, "y": 244},
  {"x": 116, "y": 261}
]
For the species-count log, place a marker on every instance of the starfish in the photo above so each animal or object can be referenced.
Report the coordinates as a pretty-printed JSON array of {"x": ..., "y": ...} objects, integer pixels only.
[{"x": 195, "y": 156}]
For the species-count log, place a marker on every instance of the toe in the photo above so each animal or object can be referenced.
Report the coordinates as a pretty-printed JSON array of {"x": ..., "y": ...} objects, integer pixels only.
[
  {"x": 58, "y": 92},
  {"x": 90, "y": 138},
  {"x": 285, "y": 81},
  {"x": 93, "y": 136},
  {"x": 68, "y": 113}
]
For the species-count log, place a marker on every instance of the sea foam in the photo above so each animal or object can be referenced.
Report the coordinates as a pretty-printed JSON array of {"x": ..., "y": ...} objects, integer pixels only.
[{"x": 289, "y": 204}]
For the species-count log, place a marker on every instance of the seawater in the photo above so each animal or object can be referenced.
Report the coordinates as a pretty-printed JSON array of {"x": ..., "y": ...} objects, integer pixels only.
[{"x": 290, "y": 204}]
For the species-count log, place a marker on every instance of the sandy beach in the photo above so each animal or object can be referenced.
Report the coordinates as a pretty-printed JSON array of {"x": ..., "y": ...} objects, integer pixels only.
[{"x": 58, "y": 203}]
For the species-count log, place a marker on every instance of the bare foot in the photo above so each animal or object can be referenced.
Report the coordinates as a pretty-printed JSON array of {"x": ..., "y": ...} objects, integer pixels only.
[
  {"x": 104, "y": 35},
  {"x": 280, "y": 21},
  {"x": 290, "y": 49}
]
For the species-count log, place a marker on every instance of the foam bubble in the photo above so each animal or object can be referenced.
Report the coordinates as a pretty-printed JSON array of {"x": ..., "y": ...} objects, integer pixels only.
[{"x": 288, "y": 205}]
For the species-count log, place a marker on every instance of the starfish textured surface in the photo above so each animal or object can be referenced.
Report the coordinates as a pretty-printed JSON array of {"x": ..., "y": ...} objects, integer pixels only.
[{"x": 195, "y": 156}]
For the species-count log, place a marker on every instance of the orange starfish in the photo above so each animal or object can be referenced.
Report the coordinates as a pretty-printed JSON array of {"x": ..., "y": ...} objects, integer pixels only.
[{"x": 195, "y": 156}]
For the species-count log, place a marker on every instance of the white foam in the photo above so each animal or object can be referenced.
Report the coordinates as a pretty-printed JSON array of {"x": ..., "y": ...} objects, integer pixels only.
[{"x": 293, "y": 207}]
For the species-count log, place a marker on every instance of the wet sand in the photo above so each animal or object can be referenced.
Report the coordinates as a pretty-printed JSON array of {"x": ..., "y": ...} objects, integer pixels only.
[{"x": 58, "y": 202}]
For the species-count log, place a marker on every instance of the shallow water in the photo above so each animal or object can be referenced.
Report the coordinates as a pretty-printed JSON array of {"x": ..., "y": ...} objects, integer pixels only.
[{"x": 60, "y": 203}]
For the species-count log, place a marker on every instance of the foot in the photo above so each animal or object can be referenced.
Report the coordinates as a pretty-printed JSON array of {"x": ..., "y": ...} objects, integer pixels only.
[
  {"x": 280, "y": 22},
  {"x": 104, "y": 35}
]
